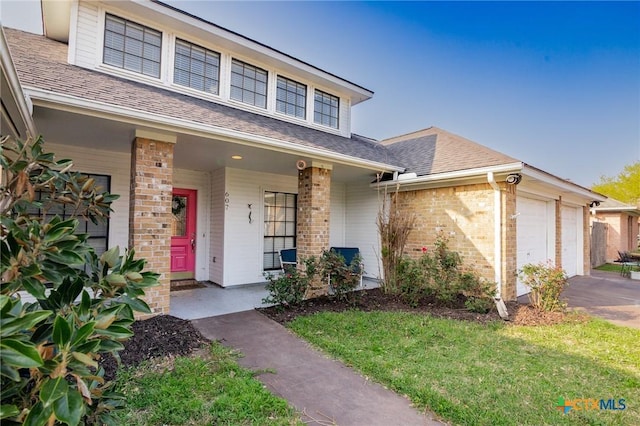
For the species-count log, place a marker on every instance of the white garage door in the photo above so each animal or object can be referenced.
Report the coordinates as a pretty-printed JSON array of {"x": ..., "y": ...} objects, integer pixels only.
[
  {"x": 532, "y": 235},
  {"x": 570, "y": 240}
]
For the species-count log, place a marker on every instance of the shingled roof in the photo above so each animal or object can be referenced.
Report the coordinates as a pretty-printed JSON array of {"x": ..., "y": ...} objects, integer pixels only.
[
  {"x": 42, "y": 63},
  {"x": 434, "y": 150}
]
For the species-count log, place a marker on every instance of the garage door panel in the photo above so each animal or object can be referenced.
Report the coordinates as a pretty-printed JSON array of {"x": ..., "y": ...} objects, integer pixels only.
[
  {"x": 569, "y": 240},
  {"x": 532, "y": 235}
]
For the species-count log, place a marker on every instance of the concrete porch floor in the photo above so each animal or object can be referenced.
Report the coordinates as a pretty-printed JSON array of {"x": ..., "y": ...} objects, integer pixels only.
[{"x": 214, "y": 300}]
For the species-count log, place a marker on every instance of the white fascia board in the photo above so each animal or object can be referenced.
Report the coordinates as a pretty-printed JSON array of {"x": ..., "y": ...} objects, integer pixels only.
[
  {"x": 159, "y": 122},
  {"x": 631, "y": 210},
  {"x": 456, "y": 177},
  {"x": 561, "y": 184},
  {"x": 21, "y": 99},
  {"x": 56, "y": 19},
  {"x": 241, "y": 44}
]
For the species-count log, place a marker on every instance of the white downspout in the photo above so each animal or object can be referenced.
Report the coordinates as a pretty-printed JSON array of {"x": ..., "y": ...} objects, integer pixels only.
[
  {"x": 497, "y": 236},
  {"x": 497, "y": 245}
]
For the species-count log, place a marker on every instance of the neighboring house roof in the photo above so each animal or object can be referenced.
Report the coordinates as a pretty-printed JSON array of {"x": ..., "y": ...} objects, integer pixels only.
[
  {"x": 611, "y": 205},
  {"x": 434, "y": 150},
  {"x": 42, "y": 63}
]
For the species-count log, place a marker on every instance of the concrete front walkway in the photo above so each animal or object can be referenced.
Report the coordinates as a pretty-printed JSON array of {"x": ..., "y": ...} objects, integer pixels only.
[
  {"x": 606, "y": 295},
  {"x": 325, "y": 391}
]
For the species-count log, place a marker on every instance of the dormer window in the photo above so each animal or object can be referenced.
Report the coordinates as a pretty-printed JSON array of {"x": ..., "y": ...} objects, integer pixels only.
[
  {"x": 291, "y": 98},
  {"x": 326, "y": 108},
  {"x": 196, "y": 67},
  {"x": 248, "y": 84},
  {"x": 132, "y": 46}
]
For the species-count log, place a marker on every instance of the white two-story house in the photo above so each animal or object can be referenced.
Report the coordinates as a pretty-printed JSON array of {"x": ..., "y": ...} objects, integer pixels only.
[{"x": 225, "y": 151}]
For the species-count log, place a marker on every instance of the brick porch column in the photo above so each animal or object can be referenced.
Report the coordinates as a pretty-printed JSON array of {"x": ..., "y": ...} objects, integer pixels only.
[
  {"x": 150, "y": 211},
  {"x": 314, "y": 192},
  {"x": 586, "y": 240},
  {"x": 509, "y": 242},
  {"x": 558, "y": 242}
]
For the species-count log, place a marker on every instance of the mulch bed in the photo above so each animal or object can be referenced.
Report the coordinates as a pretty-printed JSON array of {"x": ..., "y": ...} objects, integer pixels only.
[
  {"x": 376, "y": 300},
  {"x": 165, "y": 335},
  {"x": 159, "y": 336}
]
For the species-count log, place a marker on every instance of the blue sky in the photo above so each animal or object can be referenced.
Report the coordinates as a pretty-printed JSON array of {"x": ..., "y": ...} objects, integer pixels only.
[{"x": 554, "y": 84}]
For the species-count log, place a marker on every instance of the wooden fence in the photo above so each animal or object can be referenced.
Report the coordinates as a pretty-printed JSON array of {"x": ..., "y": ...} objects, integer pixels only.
[{"x": 599, "y": 232}]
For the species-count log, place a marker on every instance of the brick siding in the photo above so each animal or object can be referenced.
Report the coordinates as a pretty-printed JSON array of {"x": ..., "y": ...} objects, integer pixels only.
[
  {"x": 314, "y": 198},
  {"x": 150, "y": 213}
]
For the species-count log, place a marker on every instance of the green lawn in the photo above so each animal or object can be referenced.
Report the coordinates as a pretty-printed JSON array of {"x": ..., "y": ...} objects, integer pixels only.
[
  {"x": 609, "y": 267},
  {"x": 488, "y": 374},
  {"x": 204, "y": 390}
]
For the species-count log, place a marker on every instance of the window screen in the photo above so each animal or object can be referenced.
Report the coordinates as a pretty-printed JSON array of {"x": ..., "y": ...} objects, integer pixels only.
[
  {"x": 325, "y": 110},
  {"x": 196, "y": 67},
  {"x": 291, "y": 98},
  {"x": 279, "y": 226},
  {"x": 248, "y": 84},
  {"x": 132, "y": 46}
]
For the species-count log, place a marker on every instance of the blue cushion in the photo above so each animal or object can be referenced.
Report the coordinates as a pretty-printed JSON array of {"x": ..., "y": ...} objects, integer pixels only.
[{"x": 288, "y": 255}]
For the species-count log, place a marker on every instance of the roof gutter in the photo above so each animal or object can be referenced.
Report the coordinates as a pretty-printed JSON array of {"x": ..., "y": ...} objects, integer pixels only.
[
  {"x": 10, "y": 73},
  {"x": 409, "y": 180},
  {"x": 104, "y": 110},
  {"x": 562, "y": 184}
]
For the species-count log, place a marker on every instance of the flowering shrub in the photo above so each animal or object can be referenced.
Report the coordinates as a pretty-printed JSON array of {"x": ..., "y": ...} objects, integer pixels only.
[
  {"x": 343, "y": 278},
  {"x": 438, "y": 274},
  {"x": 546, "y": 282},
  {"x": 290, "y": 287}
]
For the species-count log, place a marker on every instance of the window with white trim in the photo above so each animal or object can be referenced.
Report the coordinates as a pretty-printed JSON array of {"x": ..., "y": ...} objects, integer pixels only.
[
  {"x": 132, "y": 46},
  {"x": 248, "y": 84},
  {"x": 326, "y": 109},
  {"x": 291, "y": 97},
  {"x": 279, "y": 226},
  {"x": 98, "y": 232},
  {"x": 196, "y": 67}
]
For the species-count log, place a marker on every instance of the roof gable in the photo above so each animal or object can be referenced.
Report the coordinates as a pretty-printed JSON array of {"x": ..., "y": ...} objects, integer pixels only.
[{"x": 433, "y": 150}]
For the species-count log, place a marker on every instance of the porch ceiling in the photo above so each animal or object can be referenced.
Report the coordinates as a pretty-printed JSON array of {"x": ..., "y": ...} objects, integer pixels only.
[{"x": 191, "y": 152}]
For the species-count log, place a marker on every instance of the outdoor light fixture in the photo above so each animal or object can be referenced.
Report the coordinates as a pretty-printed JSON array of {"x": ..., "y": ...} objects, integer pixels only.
[
  {"x": 514, "y": 178},
  {"x": 594, "y": 204},
  {"x": 236, "y": 157}
]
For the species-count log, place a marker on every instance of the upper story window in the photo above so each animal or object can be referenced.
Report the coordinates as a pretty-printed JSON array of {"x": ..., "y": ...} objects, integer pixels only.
[
  {"x": 291, "y": 98},
  {"x": 132, "y": 46},
  {"x": 326, "y": 109},
  {"x": 248, "y": 84},
  {"x": 196, "y": 67}
]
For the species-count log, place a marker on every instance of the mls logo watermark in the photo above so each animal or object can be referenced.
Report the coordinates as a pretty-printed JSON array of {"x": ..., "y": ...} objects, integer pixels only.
[{"x": 587, "y": 404}]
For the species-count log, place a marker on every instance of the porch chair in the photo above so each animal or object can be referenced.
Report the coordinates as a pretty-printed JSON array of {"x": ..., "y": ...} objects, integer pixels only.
[
  {"x": 349, "y": 253},
  {"x": 626, "y": 263},
  {"x": 288, "y": 259}
]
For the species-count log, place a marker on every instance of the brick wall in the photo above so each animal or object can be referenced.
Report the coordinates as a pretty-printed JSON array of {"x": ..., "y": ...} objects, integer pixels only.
[
  {"x": 618, "y": 236},
  {"x": 586, "y": 241},
  {"x": 314, "y": 199},
  {"x": 150, "y": 212},
  {"x": 509, "y": 241},
  {"x": 464, "y": 214}
]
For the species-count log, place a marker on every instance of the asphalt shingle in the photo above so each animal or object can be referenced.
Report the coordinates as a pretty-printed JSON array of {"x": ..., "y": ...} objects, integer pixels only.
[
  {"x": 42, "y": 63},
  {"x": 434, "y": 150}
]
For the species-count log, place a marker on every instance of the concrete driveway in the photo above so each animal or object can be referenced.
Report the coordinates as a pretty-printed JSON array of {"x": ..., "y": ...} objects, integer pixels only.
[{"x": 606, "y": 295}]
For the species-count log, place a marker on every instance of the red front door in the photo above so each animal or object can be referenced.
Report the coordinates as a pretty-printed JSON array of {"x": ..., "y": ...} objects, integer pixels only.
[{"x": 183, "y": 240}]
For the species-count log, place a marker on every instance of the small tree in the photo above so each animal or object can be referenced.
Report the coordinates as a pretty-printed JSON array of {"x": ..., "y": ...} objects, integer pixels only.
[
  {"x": 394, "y": 227},
  {"x": 624, "y": 187},
  {"x": 61, "y": 306}
]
